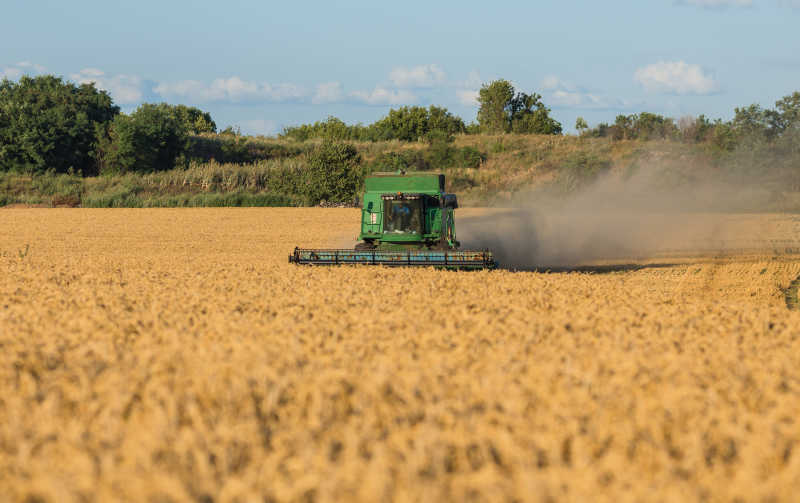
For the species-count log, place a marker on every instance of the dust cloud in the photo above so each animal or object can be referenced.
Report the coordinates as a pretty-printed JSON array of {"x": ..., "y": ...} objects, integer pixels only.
[{"x": 616, "y": 218}]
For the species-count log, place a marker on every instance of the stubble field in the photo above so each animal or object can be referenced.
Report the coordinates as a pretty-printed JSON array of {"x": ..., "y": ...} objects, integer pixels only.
[{"x": 175, "y": 355}]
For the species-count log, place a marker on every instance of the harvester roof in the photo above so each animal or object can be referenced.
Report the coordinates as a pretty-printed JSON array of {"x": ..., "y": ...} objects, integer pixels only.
[{"x": 405, "y": 182}]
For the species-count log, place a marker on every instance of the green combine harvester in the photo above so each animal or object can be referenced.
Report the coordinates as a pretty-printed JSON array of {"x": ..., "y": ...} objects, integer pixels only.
[{"x": 407, "y": 220}]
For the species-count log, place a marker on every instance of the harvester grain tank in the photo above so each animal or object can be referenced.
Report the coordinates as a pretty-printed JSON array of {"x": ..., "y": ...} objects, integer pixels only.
[{"x": 407, "y": 219}]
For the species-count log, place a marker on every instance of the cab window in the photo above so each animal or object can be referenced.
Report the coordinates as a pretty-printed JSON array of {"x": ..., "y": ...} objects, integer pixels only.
[{"x": 402, "y": 216}]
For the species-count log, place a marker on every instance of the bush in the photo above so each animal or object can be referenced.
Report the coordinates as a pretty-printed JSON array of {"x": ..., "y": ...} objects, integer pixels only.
[
  {"x": 150, "y": 139},
  {"x": 333, "y": 173},
  {"x": 46, "y": 123}
]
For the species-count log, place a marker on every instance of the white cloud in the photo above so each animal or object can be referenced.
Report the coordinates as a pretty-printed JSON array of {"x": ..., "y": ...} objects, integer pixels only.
[
  {"x": 468, "y": 97},
  {"x": 467, "y": 92},
  {"x": 33, "y": 67},
  {"x": 551, "y": 82},
  {"x": 568, "y": 98},
  {"x": 11, "y": 73},
  {"x": 15, "y": 71},
  {"x": 676, "y": 77},
  {"x": 262, "y": 127},
  {"x": 125, "y": 89},
  {"x": 382, "y": 96},
  {"x": 232, "y": 89},
  {"x": 328, "y": 92},
  {"x": 583, "y": 100},
  {"x": 564, "y": 94},
  {"x": 418, "y": 76},
  {"x": 92, "y": 72}
]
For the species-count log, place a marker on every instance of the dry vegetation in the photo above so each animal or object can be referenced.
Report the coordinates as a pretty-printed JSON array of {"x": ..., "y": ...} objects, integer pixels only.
[{"x": 174, "y": 355}]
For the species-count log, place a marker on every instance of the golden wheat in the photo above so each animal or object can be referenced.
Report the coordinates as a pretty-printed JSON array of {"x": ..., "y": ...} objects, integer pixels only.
[{"x": 175, "y": 355}]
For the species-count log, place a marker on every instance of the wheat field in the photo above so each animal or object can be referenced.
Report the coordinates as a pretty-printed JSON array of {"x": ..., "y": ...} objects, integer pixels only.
[{"x": 175, "y": 355}]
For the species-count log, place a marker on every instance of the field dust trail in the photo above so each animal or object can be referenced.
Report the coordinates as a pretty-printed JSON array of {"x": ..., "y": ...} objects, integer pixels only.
[
  {"x": 529, "y": 239},
  {"x": 175, "y": 355},
  {"x": 633, "y": 214}
]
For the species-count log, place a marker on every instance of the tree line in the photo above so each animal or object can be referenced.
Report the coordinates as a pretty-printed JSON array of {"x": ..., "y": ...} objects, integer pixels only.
[
  {"x": 47, "y": 124},
  {"x": 751, "y": 124},
  {"x": 51, "y": 125},
  {"x": 502, "y": 110}
]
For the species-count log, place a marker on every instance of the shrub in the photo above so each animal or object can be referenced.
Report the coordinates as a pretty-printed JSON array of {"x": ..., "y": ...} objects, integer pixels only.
[{"x": 333, "y": 173}]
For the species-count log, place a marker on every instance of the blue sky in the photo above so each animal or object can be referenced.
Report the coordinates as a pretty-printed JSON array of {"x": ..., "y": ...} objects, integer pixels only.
[{"x": 265, "y": 65}]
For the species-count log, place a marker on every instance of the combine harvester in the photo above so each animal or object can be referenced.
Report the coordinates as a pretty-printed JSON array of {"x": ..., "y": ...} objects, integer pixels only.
[{"x": 407, "y": 220}]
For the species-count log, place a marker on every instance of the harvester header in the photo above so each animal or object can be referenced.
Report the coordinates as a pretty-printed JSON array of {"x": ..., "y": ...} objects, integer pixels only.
[{"x": 407, "y": 219}]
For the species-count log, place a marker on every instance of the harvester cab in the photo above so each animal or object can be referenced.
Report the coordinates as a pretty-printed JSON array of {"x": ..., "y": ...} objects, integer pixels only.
[
  {"x": 410, "y": 211},
  {"x": 407, "y": 219}
]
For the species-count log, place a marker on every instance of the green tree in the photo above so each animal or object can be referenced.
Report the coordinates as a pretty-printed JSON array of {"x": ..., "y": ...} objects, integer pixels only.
[
  {"x": 623, "y": 127},
  {"x": 404, "y": 123},
  {"x": 581, "y": 125},
  {"x": 502, "y": 111},
  {"x": 644, "y": 126},
  {"x": 752, "y": 123},
  {"x": 334, "y": 129},
  {"x": 787, "y": 113},
  {"x": 415, "y": 123},
  {"x": 530, "y": 116},
  {"x": 333, "y": 173},
  {"x": 494, "y": 113},
  {"x": 194, "y": 120},
  {"x": 723, "y": 136},
  {"x": 46, "y": 123},
  {"x": 150, "y": 139},
  {"x": 440, "y": 119},
  {"x": 694, "y": 129},
  {"x": 649, "y": 126}
]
